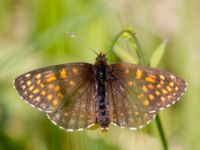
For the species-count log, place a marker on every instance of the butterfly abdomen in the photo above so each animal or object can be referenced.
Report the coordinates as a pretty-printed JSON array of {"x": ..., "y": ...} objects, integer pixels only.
[{"x": 101, "y": 102}]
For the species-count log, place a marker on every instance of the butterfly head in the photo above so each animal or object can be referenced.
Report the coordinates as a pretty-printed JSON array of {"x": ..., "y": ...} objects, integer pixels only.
[{"x": 101, "y": 58}]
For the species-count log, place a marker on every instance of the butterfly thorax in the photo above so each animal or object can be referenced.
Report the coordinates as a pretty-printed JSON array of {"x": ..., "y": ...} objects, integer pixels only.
[{"x": 102, "y": 116}]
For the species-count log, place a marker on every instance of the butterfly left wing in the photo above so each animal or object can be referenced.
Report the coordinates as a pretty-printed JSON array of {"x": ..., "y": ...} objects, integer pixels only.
[
  {"x": 49, "y": 88},
  {"x": 136, "y": 93},
  {"x": 66, "y": 92}
]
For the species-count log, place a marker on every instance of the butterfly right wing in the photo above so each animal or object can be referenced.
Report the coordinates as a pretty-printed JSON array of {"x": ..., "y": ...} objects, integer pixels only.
[{"x": 137, "y": 92}]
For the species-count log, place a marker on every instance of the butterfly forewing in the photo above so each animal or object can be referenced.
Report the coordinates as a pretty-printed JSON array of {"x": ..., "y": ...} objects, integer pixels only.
[
  {"x": 147, "y": 89},
  {"x": 80, "y": 113},
  {"x": 49, "y": 88}
]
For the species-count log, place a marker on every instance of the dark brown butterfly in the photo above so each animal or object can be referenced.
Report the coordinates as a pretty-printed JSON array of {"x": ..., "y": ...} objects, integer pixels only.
[{"x": 76, "y": 96}]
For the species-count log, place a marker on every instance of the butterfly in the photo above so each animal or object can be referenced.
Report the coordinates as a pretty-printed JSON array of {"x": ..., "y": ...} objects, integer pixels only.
[{"x": 76, "y": 96}]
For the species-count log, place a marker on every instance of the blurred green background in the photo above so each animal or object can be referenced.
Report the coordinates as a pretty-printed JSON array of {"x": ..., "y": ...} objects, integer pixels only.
[{"x": 33, "y": 34}]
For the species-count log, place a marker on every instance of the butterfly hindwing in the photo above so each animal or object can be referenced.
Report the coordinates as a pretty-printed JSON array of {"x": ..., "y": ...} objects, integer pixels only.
[
  {"x": 80, "y": 113},
  {"x": 49, "y": 88},
  {"x": 122, "y": 111}
]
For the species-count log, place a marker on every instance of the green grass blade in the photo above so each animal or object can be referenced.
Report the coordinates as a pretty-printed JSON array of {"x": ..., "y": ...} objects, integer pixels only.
[
  {"x": 157, "y": 55},
  {"x": 124, "y": 55}
]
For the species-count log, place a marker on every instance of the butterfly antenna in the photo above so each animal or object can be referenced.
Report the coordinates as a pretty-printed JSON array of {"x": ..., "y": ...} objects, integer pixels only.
[{"x": 72, "y": 35}]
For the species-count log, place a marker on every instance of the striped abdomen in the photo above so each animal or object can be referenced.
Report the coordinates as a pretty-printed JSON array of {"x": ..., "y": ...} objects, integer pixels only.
[{"x": 101, "y": 101}]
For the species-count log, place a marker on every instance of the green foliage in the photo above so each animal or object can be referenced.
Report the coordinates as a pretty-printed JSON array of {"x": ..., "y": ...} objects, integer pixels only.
[
  {"x": 124, "y": 55},
  {"x": 157, "y": 55}
]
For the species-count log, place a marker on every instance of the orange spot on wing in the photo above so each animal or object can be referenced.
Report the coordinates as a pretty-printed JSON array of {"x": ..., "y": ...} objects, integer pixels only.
[
  {"x": 57, "y": 88},
  {"x": 75, "y": 71},
  {"x": 63, "y": 73},
  {"x": 150, "y": 86},
  {"x": 37, "y": 99},
  {"x": 158, "y": 86},
  {"x": 151, "y": 97},
  {"x": 164, "y": 91},
  {"x": 126, "y": 71},
  {"x": 162, "y": 99},
  {"x": 43, "y": 93},
  {"x": 144, "y": 89},
  {"x": 50, "y": 86},
  {"x": 146, "y": 102},
  {"x": 162, "y": 82},
  {"x": 28, "y": 82},
  {"x": 138, "y": 74},
  {"x": 41, "y": 85},
  {"x": 36, "y": 91},
  {"x": 162, "y": 77},
  {"x": 171, "y": 84},
  {"x": 72, "y": 83},
  {"x": 150, "y": 79},
  {"x": 169, "y": 89},
  {"x": 49, "y": 97},
  {"x": 60, "y": 95},
  {"x": 31, "y": 88},
  {"x": 30, "y": 96},
  {"x": 130, "y": 83},
  {"x": 157, "y": 93},
  {"x": 152, "y": 76},
  {"x": 38, "y": 81},
  {"x": 51, "y": 78},
  {"x": 55, "y": 102}
]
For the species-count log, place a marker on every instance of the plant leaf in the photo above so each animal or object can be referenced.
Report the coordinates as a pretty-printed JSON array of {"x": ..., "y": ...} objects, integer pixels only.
[
  {"x": 157, "y": 55},
  {"x": 124, "y": 55}
]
